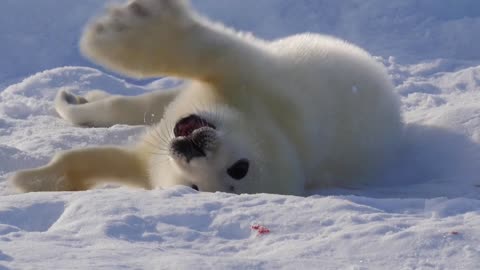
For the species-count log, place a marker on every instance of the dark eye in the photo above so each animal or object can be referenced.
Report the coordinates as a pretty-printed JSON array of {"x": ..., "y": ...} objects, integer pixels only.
[
  {"x": 239, "y": 170},
  {"x": 195, "y": 187}
]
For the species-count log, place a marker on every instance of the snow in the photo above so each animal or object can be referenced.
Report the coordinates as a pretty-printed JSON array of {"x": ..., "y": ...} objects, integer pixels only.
[
  {"x": 422, "y": 213},
  {"x": 183, "y": 229}
]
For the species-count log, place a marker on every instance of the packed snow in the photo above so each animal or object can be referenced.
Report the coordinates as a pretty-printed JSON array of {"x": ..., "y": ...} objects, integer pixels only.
[{"x": 423, "y": 212}]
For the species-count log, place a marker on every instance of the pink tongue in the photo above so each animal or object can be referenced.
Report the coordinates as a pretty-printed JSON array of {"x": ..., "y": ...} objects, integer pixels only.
[{"x": 186, "y": 126}]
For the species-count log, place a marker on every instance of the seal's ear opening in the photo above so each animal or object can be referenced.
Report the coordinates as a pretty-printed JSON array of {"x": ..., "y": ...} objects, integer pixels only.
[{"x": 239, "y": 169}]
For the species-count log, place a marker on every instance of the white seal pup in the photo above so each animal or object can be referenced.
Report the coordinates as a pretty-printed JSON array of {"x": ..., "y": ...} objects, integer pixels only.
[{"x": 303, "y": 112}]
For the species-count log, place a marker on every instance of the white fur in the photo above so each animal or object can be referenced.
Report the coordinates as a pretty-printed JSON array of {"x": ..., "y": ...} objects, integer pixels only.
[{"x": 307, "y": 111}]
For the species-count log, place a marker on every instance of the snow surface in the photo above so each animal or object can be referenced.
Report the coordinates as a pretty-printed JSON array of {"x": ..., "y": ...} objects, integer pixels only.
[{"x": 423, "y": 213}]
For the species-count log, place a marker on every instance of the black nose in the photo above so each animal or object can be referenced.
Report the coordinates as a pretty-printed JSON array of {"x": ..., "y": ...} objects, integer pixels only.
[{"x": 188, "y": 149}]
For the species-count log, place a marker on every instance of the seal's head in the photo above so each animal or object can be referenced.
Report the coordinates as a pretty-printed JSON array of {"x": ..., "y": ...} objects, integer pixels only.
[{"x": 206, "y": 151}]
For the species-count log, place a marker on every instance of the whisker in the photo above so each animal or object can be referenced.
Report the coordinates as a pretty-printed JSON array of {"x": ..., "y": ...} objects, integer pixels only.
[
  {"x": 156, "y": 146},
  {"x": 158, "y": 153},
  {"x": 160, "y": 136},
  {"x": 169, "y": 129},
  {"x": 166, "y": 132}
]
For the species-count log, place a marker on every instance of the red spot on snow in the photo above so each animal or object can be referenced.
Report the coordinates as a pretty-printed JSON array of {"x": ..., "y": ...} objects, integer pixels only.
[
  {"x": 454, "y": 233},
  {"x": 260, "y": 229}
]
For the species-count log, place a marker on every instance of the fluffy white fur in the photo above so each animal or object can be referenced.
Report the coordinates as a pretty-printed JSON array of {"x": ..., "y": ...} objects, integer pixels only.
[{"x": 306, "y": 111}]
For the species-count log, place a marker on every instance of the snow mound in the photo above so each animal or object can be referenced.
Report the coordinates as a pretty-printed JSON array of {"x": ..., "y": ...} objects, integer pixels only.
[{"x": 182, "y": 229}]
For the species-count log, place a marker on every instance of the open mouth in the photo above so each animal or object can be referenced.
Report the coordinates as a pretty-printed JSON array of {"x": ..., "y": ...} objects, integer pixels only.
[
  {"x": 188, "y": 143},
  {"x": 187, "y": 125}
]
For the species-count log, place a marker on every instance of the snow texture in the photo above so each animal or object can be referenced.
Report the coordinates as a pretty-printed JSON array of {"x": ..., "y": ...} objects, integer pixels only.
[{"x": 423, "y": 213}]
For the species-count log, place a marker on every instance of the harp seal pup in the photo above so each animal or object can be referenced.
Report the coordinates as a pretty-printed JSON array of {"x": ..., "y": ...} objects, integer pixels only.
[{"x": 287, "y": 116}]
